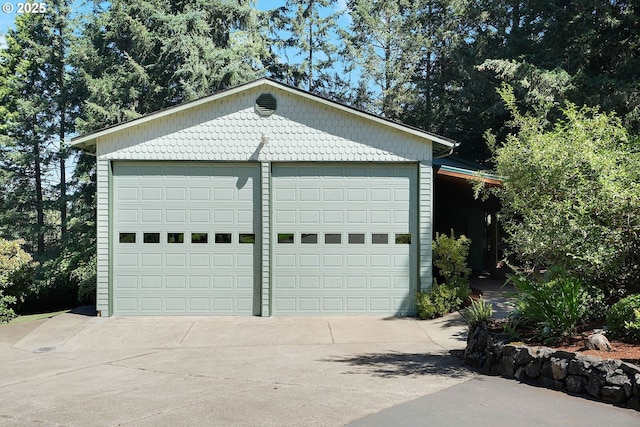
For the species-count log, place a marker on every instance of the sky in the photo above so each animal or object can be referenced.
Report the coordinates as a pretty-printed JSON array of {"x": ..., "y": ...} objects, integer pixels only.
[{"x": 10, "y": 7}]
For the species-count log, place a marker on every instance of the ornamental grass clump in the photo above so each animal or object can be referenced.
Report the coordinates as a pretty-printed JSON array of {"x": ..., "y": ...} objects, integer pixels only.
[{"x": 477, "y": 314}]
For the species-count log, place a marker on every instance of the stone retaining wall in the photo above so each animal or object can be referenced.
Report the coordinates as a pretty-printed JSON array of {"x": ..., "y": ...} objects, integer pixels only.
[{"x": 608, "y": 380}]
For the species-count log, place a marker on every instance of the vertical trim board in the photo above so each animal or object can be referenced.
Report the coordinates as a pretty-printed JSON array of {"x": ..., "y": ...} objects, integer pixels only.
[
  {"x": 265, "y": 185},
  {"x": 103, "y": 237},
  {"x": 426, "y": 230}
]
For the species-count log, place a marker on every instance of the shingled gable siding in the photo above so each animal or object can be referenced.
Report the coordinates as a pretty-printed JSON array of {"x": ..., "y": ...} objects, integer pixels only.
[{"x": 229, "y": 129}]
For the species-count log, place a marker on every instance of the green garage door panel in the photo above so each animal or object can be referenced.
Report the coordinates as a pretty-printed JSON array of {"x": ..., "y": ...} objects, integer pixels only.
[
  {"x": 341, "y": 239},
  {"x": 184, "y": 238}
]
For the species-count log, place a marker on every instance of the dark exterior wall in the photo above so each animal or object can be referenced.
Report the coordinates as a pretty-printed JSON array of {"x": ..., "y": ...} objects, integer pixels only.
[{"x": 456, "y": 208}]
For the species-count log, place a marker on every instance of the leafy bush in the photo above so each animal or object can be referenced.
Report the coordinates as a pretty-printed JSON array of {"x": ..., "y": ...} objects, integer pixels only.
[
  {"x": 450, "y": 258},
  {"x": 571, "y": 195},
  {"x": 85, "y": 275},
  {"x": 552, "y": 306},
  {"x": 440, "y": 300},
  {"x": 6, "y": 312},
  {"x": 623, "y": 318},
  {"x": 478, "y": 313},
  {"x": 15, "y": 264}
]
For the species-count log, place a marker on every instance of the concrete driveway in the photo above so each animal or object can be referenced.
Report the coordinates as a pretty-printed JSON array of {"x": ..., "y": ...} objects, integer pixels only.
[{"x": 75, "y": 370}]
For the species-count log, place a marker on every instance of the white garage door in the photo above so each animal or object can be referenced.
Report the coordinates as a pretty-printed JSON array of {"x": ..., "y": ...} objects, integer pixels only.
[
  {"x": 344, "y": 239},
  {"x": 184, "y": 238}
]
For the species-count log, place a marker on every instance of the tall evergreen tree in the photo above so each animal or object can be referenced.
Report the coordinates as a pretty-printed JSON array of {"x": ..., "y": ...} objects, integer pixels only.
[
  {"x": 381, "y": 42},
  {"x": 139, "y": 56},
  {"x": 438, "y": 77},
  {"x": 40, "y": 104},
  {"x": 26, "y": 153},
  {"x": 305, "y": 35},
  {"x": 585, "y": 52}
]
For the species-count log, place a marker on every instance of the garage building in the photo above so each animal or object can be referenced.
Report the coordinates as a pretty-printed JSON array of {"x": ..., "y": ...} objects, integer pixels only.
[{"x": 263, "y": 200}]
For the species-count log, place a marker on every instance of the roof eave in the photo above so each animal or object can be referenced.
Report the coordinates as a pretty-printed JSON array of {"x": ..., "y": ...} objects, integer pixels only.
[{"x": 469, "y": 175}]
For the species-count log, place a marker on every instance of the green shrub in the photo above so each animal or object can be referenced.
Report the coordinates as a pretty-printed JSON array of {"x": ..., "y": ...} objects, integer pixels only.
[
  {"x": 85, "y": 275},
  {"x": 623, "y": 318},
  {"x": 441, "y": 299},
  {"x": 15, "y": 265},
  {"x": 435, "y": 302},
  {"x": 6, "y": 312},
  {"x": 450, "y": 258},
  {"x": 553, "y": 307},
  {"x": 477, "y": 314}
]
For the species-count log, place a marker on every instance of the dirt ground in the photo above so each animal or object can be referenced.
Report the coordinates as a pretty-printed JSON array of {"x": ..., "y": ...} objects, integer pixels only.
[{"x": 619, "y": 350}]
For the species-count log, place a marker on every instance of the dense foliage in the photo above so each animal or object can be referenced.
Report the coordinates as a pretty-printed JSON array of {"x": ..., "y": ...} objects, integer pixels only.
[
  {"x": 554, "y": 305},
  {"x": 623, "y": 318},
  {"x": 450, "y": 257},
  {"x": 571, "y": 196},
  {"x": 434, "y": 64},
  {"x": 15, "y": 268}
]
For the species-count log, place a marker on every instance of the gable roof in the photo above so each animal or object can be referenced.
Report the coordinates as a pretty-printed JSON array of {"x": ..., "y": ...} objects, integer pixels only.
[{"x": 445, "y": 146}]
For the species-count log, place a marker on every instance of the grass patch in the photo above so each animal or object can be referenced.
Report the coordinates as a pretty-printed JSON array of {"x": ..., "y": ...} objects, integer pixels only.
[{"x": 32, "y": 317}]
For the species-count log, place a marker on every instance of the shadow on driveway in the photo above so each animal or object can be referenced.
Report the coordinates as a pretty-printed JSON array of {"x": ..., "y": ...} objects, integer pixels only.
[{"x": 396, "y": 364}]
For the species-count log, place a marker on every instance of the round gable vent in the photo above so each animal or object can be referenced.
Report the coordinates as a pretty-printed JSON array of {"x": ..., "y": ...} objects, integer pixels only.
[{"x": 266, "y": 104}]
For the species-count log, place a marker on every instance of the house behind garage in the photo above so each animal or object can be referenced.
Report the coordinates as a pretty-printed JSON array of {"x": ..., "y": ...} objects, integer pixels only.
[{"x": 263, "y": 200}]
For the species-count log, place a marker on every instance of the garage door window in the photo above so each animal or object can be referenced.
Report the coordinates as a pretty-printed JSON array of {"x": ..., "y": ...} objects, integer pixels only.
[
  {"x": 403, "y": 239},
  {"x": 247, "y": 238},
  {"x": 199, "y": 237},
  {"x": 127, "y": 238},
  {"x": 309, "y": 238},
  {"x": 285, "y": 237},
  {"x": 379, "y": 239},
  {"x": 332, "y": 239},
  {"x": 175, "y": 237},
  {"x": 356, "y": 238},
  {"x": 151, "y": 237},
  {"x": 223, "y": 237}
]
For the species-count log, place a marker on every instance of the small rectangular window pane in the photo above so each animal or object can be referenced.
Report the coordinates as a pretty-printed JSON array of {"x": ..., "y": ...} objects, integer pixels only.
[
  {"x": 403, "y": 239},
  {"x": 356, "y": 238},
  {"x": 151, "y": 237},
  {"x": 247, "y": 238},
  {"x": 127, "y": 237},
  {"x": 380, "y": 239},
  {"x": 175, "y": 237},
  {"x": 223, "y": 237},
  {"x": 308, "y": 238},
  {"x": 285, "y": 237},
  {"x": 333, "y": 238},
  {"x": 199, "y": 237}
]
